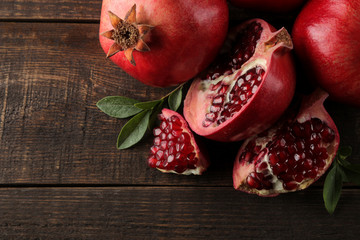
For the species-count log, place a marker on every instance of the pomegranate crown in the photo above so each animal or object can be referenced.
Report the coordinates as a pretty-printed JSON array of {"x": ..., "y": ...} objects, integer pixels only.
[{"x": 127, "y": 35}]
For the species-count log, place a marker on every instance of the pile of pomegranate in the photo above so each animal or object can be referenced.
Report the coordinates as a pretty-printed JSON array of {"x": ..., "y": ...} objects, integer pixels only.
[{"x": 244, "y": 81}]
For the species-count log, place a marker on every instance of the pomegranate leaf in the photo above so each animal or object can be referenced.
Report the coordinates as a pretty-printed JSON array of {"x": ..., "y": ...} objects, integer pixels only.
[
  {"x": 343, "y": 153},
  {"x": 175, "y": 98},
  {"x": 332, "y": 188},
  {"x": 133, "y": 131},
  {"x": 343, "y": 174},
  {"x": 147, "y": 105},
  {"x": 118, "y": 106}
]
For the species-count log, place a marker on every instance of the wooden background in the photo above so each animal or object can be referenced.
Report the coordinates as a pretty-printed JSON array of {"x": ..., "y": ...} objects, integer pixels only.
[{"x": 61, "y": 176}]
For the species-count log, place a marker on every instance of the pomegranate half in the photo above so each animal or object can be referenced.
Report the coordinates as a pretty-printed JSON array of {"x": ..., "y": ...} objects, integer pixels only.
[
  {"x": 248, "y": 87},
  {"x": 163, "y": 42},
  {"x": 292, "y": 154},
  {"x": 175, "y": 148}
]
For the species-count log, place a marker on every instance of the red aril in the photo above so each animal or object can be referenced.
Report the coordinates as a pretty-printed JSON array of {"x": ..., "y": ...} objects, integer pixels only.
[
  {"x": 163, "y": 43},
  {"x": 247, "y": 88},
  {"x": 327, "y": 41},
  {"x": 174, "y": 148},
  {"x": 292, "y": 154}
]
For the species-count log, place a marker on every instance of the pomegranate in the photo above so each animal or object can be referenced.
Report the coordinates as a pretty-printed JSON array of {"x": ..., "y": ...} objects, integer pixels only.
[
  {"x": 270, "y": 6},
  {"x": 327, "y": 41},
  {"x": 175, "y": 149},
  {"x": 163, "y": 43},
  {"x": 292, "y": 154},
  {"x": 247, "y": 89}
]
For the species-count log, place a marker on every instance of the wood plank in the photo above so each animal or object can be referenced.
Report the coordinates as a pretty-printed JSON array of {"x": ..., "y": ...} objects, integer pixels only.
[
  {"x": 176, "y": 212},
  {"x": 50, "y": 10},
  {"x": 51, "y": 132}
]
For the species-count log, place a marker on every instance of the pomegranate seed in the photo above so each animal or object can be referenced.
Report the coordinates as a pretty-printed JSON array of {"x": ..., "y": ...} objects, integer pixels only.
[
  {"x": 218, "y": 100},
  {"x": 159, "y": 154},
  {"x": 152, "y": 162},
  {"x": 157, "y": 131},
  {"x": 317, "y": 124},
  {"x": 299, "y": 178},
  {"x": 170, "y": 158},
  {"x": 157, "y": 141},
  {"x": 163, "y": 125},
  {"x": 328, "y": 135},
  {"x": 298, "y": 130},
  {"x": 290, "y": 186},
  {"x": 210, "y": 116},
  {"x": 170, "y": 136},
  {"x": 154, "y": 149},
  {"x": 307, "y": 129},
  {"x": 163, "y": 136},
  {"x": 163, "y": 145},
  {"x": 252, "y": 181},
  {"x": 273, "y": 159}
]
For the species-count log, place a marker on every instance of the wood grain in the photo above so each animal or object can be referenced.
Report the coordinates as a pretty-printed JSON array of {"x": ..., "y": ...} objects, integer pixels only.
[
  {"x": 61, "y": 176},
  {"x": 172, "y": 212},
  {"x": 51, "y": 131},
  {"x": 50, "y": 10}
]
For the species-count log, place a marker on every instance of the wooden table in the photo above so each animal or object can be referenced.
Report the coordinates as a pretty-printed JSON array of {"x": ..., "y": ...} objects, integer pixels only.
[{"x": 61, "y": 176}]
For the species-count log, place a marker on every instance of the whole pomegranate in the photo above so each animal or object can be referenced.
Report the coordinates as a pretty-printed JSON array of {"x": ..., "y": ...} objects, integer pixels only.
[
  {"x": 267, "y": 5},
  {"x": 163, "y": 42},
  {"x": 292, "y": 154},
  {"x": 175, "y": 149},
  {"x": 327, "y": 41},
  {"x": 247, "y": 89}
]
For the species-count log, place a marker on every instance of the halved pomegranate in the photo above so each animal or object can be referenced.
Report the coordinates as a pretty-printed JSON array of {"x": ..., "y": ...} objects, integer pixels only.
[
  {"x": 175, "y": 149},
  {"x": 292, "y": 154},
  {"x": 247, "y": 89}
]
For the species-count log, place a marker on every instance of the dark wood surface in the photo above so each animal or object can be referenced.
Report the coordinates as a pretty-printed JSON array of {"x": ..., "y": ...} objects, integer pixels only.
[{"x": 61, "y": 176}]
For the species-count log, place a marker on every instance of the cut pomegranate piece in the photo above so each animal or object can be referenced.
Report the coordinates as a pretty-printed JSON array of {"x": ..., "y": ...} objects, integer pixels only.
[
  {"x": 247, "y": 89},
  {"x": 174, "y": 148},
  {"x": 291, "y": 155}
]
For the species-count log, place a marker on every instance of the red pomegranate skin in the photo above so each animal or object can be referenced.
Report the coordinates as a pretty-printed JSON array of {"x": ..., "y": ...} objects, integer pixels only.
[
  {"x": 266, "y": 106},
  {"x": 326, "y": 37},
  {"x": 270, "y": 6},
  {"x": 185, "y": 39},
  {"x": 311, "y": 108}
]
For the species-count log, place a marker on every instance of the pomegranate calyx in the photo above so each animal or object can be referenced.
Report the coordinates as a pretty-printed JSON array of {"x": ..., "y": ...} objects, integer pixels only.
[
  {"x": 280, "y": 38},
  {"x": 127, "y": 35}
]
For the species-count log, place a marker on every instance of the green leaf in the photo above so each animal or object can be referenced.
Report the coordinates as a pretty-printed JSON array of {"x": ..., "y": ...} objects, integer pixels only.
[
  {"x": 332, "y": 189},
  {"x": 344, "y": 152},
  {"x": 175, "y": 98},
  {"x": 147, "y": 105},
  {"x": 133, "y": 131},
  {"x": 118, "y": 107},
  {"x": 342, "y": 171}
]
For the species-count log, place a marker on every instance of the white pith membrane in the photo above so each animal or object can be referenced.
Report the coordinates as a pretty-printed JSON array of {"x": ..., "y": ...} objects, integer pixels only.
[
  {"x": 201, "y": 163},
  {"x": 243, "y": 168},
  {"x": 230, "y": 81}
]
